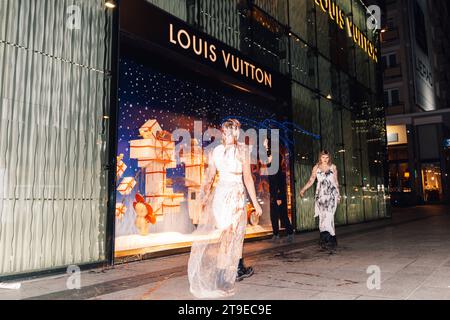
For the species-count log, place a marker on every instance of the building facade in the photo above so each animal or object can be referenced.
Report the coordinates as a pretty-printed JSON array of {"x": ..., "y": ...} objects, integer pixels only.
[
  {"x": 415, "y": 50},
  {"x": 198, "y": 58},
  {"x": 77, "y": 171},
  {"x": 55, "y": 80}
]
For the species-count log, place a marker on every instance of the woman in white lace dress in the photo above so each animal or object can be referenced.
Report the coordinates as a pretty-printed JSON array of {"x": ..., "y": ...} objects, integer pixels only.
[
  {"x": 326, "y": 199},
  {"x": 214, "y": 258}
]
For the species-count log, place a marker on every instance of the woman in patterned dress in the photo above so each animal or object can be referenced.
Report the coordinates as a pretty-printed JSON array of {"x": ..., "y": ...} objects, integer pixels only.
[
  {"x": 326, "y": 199},
  {"x": 216, "y": 254}
]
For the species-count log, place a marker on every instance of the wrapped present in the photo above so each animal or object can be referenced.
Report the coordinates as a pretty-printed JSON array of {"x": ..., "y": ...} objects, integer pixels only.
[
  {"x": 145, "y": 149},
  {"x": 149, "y": 150},
  {"x": 168, "y": 202},
  {"x": 121, "y": 166},
  {"x": 156, "y": 153},
  {"x": 172, "y": 203},
  {"x": 126, "y": 186},
  {"x": 194, "y": 175},
  {"x": 165, "y": 152},
  {"x": 194, "y": 164},
  {"x": 144, "y": 163},
  {"x": 155, "y": 178},
  {"x": 150, "y": 129},
  {"x": 192, "y": 156},
  {"x": 156, "y": 145},
  {"x": 121, "y": 209}
]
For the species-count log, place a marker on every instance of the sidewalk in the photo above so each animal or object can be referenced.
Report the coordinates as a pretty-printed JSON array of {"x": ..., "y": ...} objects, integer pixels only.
[{"x": 411, "y": 251}]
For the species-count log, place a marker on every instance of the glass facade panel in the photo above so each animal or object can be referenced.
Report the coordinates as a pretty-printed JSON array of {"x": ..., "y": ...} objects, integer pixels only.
[
  {"x": 306, "y": 116},
  {"x": 304, "y": 63},
  {"x": 355, "y": 210},
  {"x": 278, "y": 9},
  {"x": 325, "y": 77},
  {"x": 331, "y": 133},
  {"x": 185, "y": 10},
  {"x": 303, "y": 28},
  {"x": 54, "y": 97},
  {"x": 323, "y": 30},
  {"x": 221, "y": 19}
]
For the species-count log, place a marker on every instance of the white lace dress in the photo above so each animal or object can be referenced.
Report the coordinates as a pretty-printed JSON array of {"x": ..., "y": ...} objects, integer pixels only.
[{"x": 215, "y": 255}]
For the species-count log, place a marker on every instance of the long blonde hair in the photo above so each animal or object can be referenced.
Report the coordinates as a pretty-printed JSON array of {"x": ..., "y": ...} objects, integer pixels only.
[
  {"x": 235, "y": 126},
  {"x": 325, "y": 153}
]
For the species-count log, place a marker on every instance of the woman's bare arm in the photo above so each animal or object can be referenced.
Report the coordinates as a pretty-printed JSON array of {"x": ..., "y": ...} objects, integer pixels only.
[
  {"x": 311, "y": 181},
  {"x": 336, "y": 180},
  {"x": 336, "y": 177},
  {"x": 208, "y": 182}
]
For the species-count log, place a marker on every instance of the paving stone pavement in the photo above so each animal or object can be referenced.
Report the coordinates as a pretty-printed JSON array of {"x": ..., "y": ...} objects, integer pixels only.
[{"x": 411, "y": 252}]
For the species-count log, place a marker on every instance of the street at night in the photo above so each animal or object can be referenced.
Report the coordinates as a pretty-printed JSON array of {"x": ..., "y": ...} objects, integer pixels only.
[{"x": 411, "y": 252}]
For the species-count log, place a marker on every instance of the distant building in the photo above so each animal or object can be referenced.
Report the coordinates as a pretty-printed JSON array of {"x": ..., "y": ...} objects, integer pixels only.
[{"x": 415, "y": 51}]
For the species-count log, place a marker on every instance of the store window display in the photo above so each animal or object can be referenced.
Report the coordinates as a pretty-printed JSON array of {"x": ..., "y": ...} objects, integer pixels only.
[
  {"x": 163, "y": 176},
  {"x": 431, "y": 182}
]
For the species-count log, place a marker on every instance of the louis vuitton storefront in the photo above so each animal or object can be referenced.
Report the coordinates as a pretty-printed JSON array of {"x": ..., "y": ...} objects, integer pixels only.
[
  {"x": 174, "y": 77},
  {"x": 91, "y": 165},
  {"x": 191, "y": 64}
]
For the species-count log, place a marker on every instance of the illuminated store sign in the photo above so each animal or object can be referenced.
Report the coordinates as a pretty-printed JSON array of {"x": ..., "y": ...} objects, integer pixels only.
[
  {"x": 423, "y": 80},
  {"x": 346, "y": 24},
  {"x": 174, "y": 40},
  {"x": 201, "y": 48}
]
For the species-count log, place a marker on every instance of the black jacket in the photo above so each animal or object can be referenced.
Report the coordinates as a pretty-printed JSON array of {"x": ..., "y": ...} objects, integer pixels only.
[{"x": 277, "y": 184}]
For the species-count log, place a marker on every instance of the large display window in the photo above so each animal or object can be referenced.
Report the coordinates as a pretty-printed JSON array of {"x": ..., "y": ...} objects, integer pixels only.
[
  {"x": 432, "y": 182},
  {"x": 158, "y": 190}
]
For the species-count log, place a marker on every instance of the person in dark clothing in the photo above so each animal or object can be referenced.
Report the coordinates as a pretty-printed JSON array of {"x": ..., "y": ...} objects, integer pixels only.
[
  {"x": 278, "y": 200},
  {"x": 243, "y": 271}
]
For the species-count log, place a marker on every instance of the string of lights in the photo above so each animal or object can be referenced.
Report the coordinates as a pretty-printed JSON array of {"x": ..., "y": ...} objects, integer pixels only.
[{"x": 33, "y": 51}]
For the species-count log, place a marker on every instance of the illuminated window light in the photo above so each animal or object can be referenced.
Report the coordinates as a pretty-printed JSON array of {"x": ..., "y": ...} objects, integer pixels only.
[{"x": 111, "y": 4}]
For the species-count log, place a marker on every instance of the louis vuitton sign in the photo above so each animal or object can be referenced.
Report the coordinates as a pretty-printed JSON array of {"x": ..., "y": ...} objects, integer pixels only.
[
  {"x": 182, "y": 38},
  {"x": 335, "y": 13},
  {"x": 176, "y": 40}
]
